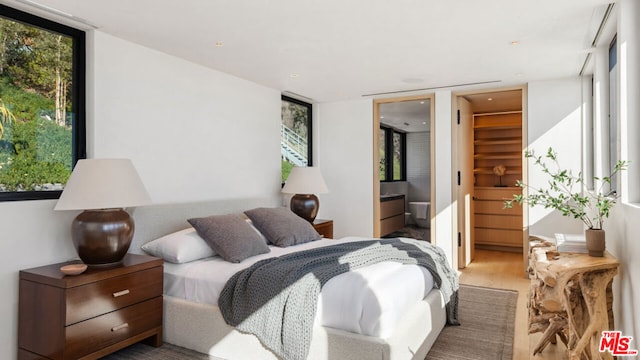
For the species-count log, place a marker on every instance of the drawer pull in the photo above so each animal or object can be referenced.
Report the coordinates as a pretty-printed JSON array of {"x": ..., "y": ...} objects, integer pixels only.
[
  {"x": 120, "y": 293},
  {"x": 119, "y": 327}
]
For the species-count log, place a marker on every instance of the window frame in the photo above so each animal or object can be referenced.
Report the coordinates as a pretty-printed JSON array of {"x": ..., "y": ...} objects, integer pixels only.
[
  {"x": 78, "y": 94},
  {"x": 309, "y": 107},
  {"x": 613, "y": 149},
  {"x": 389, "y": 133}
]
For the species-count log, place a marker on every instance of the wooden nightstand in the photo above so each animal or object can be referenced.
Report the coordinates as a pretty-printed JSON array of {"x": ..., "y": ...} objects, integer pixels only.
[
  {"x": 324, "y": 227},
  {"x": 92, "y": 314}
]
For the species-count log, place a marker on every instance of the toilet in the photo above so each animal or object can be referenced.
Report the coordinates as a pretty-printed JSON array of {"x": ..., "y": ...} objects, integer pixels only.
[{"x": 420, "y": 213}]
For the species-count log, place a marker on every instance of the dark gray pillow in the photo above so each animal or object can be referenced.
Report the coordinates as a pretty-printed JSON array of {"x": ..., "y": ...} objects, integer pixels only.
[
  {"x": 282, "y": 227},
  {"x": 230, "y": 236}
]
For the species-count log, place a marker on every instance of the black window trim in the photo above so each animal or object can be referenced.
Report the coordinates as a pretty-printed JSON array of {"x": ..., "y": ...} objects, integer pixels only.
[
  {"x": 78, "y": 93},
  {"x": 309, "y": 125},
  {"x": 388, "y": 149}
]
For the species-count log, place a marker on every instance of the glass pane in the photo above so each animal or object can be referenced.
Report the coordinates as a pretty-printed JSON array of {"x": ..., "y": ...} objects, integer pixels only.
[
  {"x": 383, "y": 156},
  {"x": 294, "y": 140},
  {"x": 36, "y": 108},
  {"x": 613, "y": 115},
  {"x": 397, "y": 156}
]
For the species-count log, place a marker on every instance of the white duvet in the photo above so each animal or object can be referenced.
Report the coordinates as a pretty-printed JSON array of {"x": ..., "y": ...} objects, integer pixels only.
[{"x": 367, "y": 301}]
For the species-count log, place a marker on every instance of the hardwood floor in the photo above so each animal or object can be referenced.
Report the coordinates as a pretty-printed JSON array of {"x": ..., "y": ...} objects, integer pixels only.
[{"x": 504, "y": 270}]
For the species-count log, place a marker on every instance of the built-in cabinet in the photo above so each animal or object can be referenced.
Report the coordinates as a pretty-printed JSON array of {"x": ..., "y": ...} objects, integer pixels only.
[
  {"x": 391, "y": 214},
  {"x": 497, "y": 149}
]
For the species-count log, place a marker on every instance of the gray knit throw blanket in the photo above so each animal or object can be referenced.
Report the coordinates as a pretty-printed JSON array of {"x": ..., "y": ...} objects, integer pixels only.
[{"x": 287, "y": 287}]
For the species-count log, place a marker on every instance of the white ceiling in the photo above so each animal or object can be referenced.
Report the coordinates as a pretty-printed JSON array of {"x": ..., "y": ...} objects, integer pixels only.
[
  {"x": 407, "y": 116},
  {"x": 346, "y": 49}
]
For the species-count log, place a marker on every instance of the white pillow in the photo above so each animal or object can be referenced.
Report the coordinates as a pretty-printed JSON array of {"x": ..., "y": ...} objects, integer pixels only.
[{"x": 179, "y": 247}]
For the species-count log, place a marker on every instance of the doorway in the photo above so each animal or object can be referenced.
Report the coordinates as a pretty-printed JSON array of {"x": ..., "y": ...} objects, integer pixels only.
[
  {"x": 491, "y": 138},
  {"x": 403, "y": 149}
]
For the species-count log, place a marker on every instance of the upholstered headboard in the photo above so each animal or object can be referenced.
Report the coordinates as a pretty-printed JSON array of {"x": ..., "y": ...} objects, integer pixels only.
[{"x": 155, "y": 221}]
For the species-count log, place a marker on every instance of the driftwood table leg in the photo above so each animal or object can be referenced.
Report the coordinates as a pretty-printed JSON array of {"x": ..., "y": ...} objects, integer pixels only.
[
  {"x": 594, "y": 287},
  {"x": 555, "y": 326}
]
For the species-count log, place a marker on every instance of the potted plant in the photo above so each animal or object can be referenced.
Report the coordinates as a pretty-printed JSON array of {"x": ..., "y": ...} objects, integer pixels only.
[{"x": 567, "y": 193}]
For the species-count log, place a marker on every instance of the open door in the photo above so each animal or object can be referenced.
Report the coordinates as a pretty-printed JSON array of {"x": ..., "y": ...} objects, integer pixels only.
[{"x": 465, "y": 179}]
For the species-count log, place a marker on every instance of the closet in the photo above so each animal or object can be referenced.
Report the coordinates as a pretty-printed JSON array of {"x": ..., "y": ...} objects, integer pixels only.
[{"x": 497, "y": 162}]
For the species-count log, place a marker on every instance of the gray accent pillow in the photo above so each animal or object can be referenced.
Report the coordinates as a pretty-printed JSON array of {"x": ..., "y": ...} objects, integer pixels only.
[
  {"x": 230, "y": 236},
  {"x": 282, "y": 227}
]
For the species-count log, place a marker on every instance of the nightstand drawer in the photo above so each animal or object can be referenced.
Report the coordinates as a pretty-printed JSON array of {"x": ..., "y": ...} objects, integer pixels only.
[
  {"x": 87, "y": 336},
  {"x": 94, "y": 299}
]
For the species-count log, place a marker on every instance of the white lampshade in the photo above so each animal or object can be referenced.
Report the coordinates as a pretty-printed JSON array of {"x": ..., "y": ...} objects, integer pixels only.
[
  {"x": 305, "y": 180},
  {"x": 103, "y": 184}
]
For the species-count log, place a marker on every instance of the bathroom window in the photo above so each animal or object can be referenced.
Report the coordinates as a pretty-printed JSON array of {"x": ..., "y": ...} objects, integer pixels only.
[
  {"x": 383, "y": 154},
  {"x": 393, "y": 151}
]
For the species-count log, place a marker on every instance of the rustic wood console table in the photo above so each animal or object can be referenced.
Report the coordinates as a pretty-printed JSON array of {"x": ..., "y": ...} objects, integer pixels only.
[{"x": 570, "y": 297}]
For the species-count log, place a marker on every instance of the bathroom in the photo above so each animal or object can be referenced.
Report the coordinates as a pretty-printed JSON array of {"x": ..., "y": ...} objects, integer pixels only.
[{"x": 405, "y": 168}]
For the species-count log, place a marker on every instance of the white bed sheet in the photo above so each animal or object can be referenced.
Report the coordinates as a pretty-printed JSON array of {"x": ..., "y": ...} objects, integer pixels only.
[{"x": 368, "y": 301}]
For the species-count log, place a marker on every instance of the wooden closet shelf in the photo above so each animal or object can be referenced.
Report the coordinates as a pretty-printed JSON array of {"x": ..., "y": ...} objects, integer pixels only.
[
  {"x": 499, "y": 141},
  {"x": 498, "y": 127},
  {"x": 498, "y": 156},
  {"x": 489, "y": 171}
]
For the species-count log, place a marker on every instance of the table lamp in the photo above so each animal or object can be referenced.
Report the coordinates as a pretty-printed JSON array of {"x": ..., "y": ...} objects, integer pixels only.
[
  {"x": 102, "y": 188},
  {"x": 305, "y": 182}
]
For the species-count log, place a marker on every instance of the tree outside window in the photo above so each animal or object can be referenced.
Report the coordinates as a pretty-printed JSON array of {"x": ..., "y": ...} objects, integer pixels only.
[
  {"x": 295, "y": 135},
  {"x": 392, "y": 148},
  {"x": 41, "y": 92}
]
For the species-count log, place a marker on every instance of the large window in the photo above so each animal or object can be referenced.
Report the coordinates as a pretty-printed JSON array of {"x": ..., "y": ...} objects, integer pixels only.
[
  {"x": 393, "y": 151},
  {"x": 613, "y": 112},
  {"x": 295, "y": 135},
  {"x": 42, "y": 131}
]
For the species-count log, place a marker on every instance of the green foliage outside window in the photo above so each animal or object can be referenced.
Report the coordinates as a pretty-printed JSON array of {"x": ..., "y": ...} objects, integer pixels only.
[
  {"x": 295, "y": 138},
  {"x": 35, "y": 107}
]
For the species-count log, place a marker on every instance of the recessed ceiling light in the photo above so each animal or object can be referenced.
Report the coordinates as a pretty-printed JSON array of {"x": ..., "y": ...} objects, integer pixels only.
[
  {"x": 490, "y": 99},
  {"x": 515, "y": 42},
  {"x": 294, "y": 75},
  {"x": 219, "y": 44}
]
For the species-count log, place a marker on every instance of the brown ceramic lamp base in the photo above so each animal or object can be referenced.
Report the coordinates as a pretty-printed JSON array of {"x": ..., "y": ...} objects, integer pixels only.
[
  {"x": 305, "y": 205},
  {"x": 102, "y": 237}
]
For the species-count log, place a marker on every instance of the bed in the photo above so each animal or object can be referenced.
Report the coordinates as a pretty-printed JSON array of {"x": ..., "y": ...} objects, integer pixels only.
[{"x": 192, "y": 318}]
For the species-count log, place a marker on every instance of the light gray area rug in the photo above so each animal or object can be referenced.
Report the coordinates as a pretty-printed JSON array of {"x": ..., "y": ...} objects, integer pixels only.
[{"x": 487, "y": 317}]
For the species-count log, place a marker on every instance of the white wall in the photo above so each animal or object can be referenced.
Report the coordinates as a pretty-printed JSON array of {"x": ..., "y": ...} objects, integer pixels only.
[
  {"x": 554, "y": 120},
  {"x": 623, "y": 226},
  {"x": 192, "y": 133},
  {"x": 419, "y": 166},
  {"x": 179, "y": 122},
  {"x": 345, "y": 157},
  {"x": 443, "y": 207}
]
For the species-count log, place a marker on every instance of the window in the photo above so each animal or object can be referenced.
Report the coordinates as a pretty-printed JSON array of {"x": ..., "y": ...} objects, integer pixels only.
[
  {"x": 295, "y": 135},
  {"x": 383, "y": 154},
  {"x": 393, "y": 151},
  {"x": 42, "y": 125},
  {"x": 613, "y": 112}
]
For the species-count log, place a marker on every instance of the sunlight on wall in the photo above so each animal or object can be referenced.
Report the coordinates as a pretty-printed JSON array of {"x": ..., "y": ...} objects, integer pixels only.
[
  {"x": 565, "y": 138},
  {"x": 629, "y": 127},
  {"x": 443, "y": 236}
]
